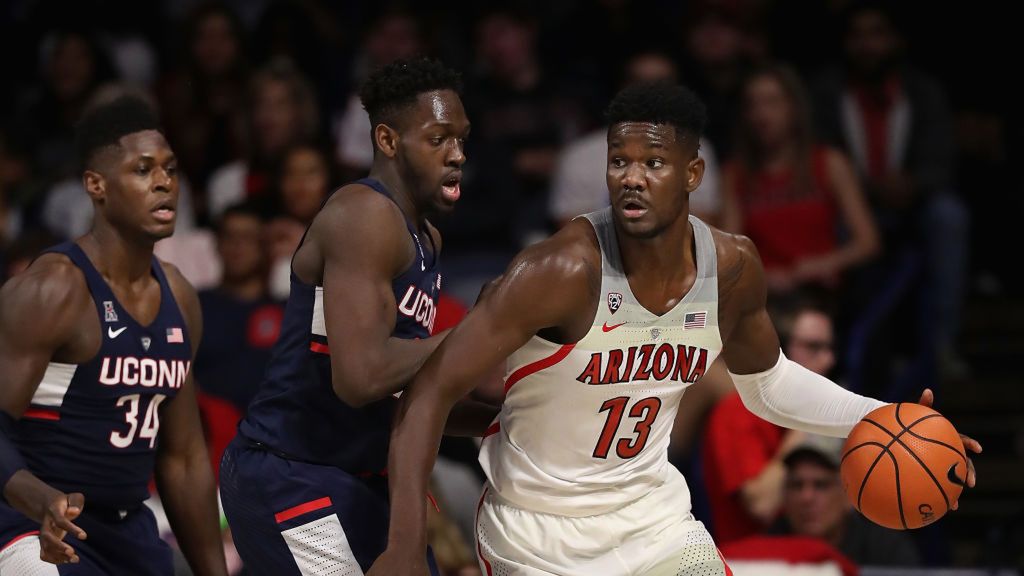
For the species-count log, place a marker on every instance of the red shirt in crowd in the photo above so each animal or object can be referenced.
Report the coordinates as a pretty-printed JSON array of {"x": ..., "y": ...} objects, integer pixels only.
[
  {"x": 737, "y": 446},
  {"x": 787, "y": 224}
]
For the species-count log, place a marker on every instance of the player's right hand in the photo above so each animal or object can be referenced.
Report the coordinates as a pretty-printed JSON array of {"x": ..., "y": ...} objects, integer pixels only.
[
  {"x": 392, "y": 563},
  {"x": 60, "y": 511}
]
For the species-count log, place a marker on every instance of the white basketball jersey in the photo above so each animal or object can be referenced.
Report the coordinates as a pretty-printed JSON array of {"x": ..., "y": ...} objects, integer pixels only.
[{"x": 585, "y": 427}]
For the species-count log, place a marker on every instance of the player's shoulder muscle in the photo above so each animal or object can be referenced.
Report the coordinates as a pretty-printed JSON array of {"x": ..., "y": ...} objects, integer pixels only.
[
  {"x": 551, "y": 278},
  {"x": 741, "y": 280},
  {"x": 44, "y": 302},
  {"x": 360, "y": 224}
]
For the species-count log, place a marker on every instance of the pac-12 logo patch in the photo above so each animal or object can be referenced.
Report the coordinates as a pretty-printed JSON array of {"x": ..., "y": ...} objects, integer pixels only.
[
  {"x": 109, "y": 314},
  {"x": 614, "y": 301}
]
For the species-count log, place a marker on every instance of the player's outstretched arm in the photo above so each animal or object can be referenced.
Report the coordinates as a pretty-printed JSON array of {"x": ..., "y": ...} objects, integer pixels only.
[
  {"x": 771, "y": 386},
  {"x": 40, "y": 310},
  {"x": 365, "y": 245},
  {"x": 183, "y": 476},
  {"x": 520, "y": 303}
]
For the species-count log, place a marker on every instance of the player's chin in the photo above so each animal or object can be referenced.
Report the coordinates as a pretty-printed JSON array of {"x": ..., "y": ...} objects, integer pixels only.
[
  {"x": 638, "y": 227},
  {"x": 160, "y": 230},
  {"x": 444, "y": 204}
]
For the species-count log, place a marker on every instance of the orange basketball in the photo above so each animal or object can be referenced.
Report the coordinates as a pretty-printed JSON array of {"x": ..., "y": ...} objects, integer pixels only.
[{"x": 903, "y": 466}]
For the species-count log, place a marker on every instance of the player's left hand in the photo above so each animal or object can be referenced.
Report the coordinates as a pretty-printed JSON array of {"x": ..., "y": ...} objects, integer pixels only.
[
  {"x": 927, "y": 399},
  {"x": 404, "y": 563},
  {"x": 56, "y": 523}
]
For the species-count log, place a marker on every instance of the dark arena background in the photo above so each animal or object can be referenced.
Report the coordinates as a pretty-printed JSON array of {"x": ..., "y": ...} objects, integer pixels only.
[{"x": 918, "y": 288}]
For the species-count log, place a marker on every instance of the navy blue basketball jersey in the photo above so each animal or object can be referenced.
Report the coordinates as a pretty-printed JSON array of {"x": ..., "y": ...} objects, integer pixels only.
[
  {"x": 93, "y": 427},
  {"x": 296, "y": 412}
]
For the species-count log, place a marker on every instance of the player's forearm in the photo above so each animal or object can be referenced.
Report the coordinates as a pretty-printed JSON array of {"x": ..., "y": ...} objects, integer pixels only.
[
  {"x": 416, "y": 434},
  {"x": 27, "y": 494},
  {"x": 792, "y": 396},
  {"x": 470, "y": 418},
  {"x": 362, "y": 380},
  {"x": 189, "y": 496}
]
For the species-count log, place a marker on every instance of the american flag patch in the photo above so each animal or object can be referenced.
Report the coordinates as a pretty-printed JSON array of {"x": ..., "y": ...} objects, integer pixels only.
[
  {"x": 695, "y": 320},
  {"x": 175, "y": 336}
]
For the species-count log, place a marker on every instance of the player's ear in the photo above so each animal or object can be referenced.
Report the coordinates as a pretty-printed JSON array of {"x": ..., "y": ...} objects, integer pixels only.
[
  {"x": 694, "y": 173},
  {"x": 95, "y": 185},
  {"x": 385, "y": 138}
]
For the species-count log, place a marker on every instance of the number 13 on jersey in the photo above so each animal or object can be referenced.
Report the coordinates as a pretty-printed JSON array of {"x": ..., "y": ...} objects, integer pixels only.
[{"x": 644, "y": 410}]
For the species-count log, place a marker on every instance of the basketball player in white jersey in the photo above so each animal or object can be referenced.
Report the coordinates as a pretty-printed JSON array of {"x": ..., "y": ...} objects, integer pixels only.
[{"x": 605, "y": 325}]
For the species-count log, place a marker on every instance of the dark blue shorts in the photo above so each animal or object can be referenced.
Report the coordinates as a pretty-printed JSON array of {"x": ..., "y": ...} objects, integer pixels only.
[
  {"x": 114, "y": 546},
  {"x": 291, "y": 518}
]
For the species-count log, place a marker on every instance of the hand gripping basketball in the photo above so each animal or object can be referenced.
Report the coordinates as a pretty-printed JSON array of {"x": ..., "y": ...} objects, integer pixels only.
[{"x": 904, "y": 465}]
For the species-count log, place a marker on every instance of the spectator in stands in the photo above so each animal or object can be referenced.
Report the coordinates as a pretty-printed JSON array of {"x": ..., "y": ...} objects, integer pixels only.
[
  {"x": 895, "y": 122},
  {"x": 720, "y": 49},
  {"x": 743, "y": 454},
  {"x": 74, "y": 65},
  {"x": 815, "y": 505},
  {"x": 521, "y": 116},
  {"x": 392, "y": 36},
  {"x": 579, "y": 185},
  {"x": 204, "y": 103},
  {"x": 241, "y": 322},
  {"x": 303, "y": 184},
  {"x": 795, "y": 200},
  {"x": 282, "y": 113}
]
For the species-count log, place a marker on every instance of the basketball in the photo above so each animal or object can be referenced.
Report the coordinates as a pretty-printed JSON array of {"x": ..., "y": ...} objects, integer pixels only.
[{"x": 903, "y": 466}]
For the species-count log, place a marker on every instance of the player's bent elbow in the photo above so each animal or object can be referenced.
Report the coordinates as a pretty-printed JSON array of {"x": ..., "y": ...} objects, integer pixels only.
[{"x": 352, "y": 390}]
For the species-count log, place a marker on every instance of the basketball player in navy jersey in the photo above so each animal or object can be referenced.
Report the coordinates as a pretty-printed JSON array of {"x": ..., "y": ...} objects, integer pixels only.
[
  {"x": 604, "y": 326},
  {"x": 96, "y": 395},
  {"x": 304, "y": 483}
]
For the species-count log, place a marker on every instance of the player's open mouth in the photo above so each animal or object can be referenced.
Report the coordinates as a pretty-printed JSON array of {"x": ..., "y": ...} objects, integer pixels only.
[
  {"x": 164, "y": 213},
  {"x": 632, "y": 209},
  {"x": 451, "y": 187}
]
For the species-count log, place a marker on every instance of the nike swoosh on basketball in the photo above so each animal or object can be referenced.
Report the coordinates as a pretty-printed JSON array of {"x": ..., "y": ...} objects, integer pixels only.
[
  {"x": 115, "y": 333},
  {"x": 952, "y": 477},
  {"x": 607, "y": 328}
]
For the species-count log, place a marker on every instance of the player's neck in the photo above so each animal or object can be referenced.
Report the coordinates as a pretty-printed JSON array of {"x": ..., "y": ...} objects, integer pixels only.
[
  {"x": 118, "y": 258},
  {"x": 661, "y": 256},
  {"x": 387, "y": 175}
]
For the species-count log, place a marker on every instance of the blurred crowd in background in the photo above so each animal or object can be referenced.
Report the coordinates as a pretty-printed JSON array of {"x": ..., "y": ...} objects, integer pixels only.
[{"x": 864, "y": 147}]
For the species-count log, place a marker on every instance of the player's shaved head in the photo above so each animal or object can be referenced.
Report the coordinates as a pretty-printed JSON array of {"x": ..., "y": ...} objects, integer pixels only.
[
  {"x": 394, "y": 88},
  {"x": 103, "y": 127},
  {"x": 660, "y": 102}
]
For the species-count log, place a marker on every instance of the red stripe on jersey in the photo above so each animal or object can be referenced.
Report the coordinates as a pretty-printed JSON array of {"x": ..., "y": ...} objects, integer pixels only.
[
  {"x": 728, "y": 571},
  {"x": 302, "y": 509},
  {"x": 19, "y": 537},
  {"x": 41, "y": 414},
  {"x": 492, "y": 429},
  {"x": 319, "y": 348},
  {"x": 538, "y": 365},
  {"x": 479, "y": 547}
]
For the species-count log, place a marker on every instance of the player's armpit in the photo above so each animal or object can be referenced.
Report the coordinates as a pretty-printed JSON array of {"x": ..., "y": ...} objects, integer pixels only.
[{"x": 470, "y": 418}]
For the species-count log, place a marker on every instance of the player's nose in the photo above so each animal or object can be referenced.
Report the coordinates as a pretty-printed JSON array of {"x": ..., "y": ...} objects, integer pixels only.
[
  {"x": 456, "y": 156},
  {"x": 162, "y": 180},
  {"x": 633, "y": 178}
]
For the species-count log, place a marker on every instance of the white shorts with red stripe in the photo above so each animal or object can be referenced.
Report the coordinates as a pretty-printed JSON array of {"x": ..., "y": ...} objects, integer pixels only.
[
  {"x": 21, "y": 558},
  {"x": 652, "y": 536}
]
